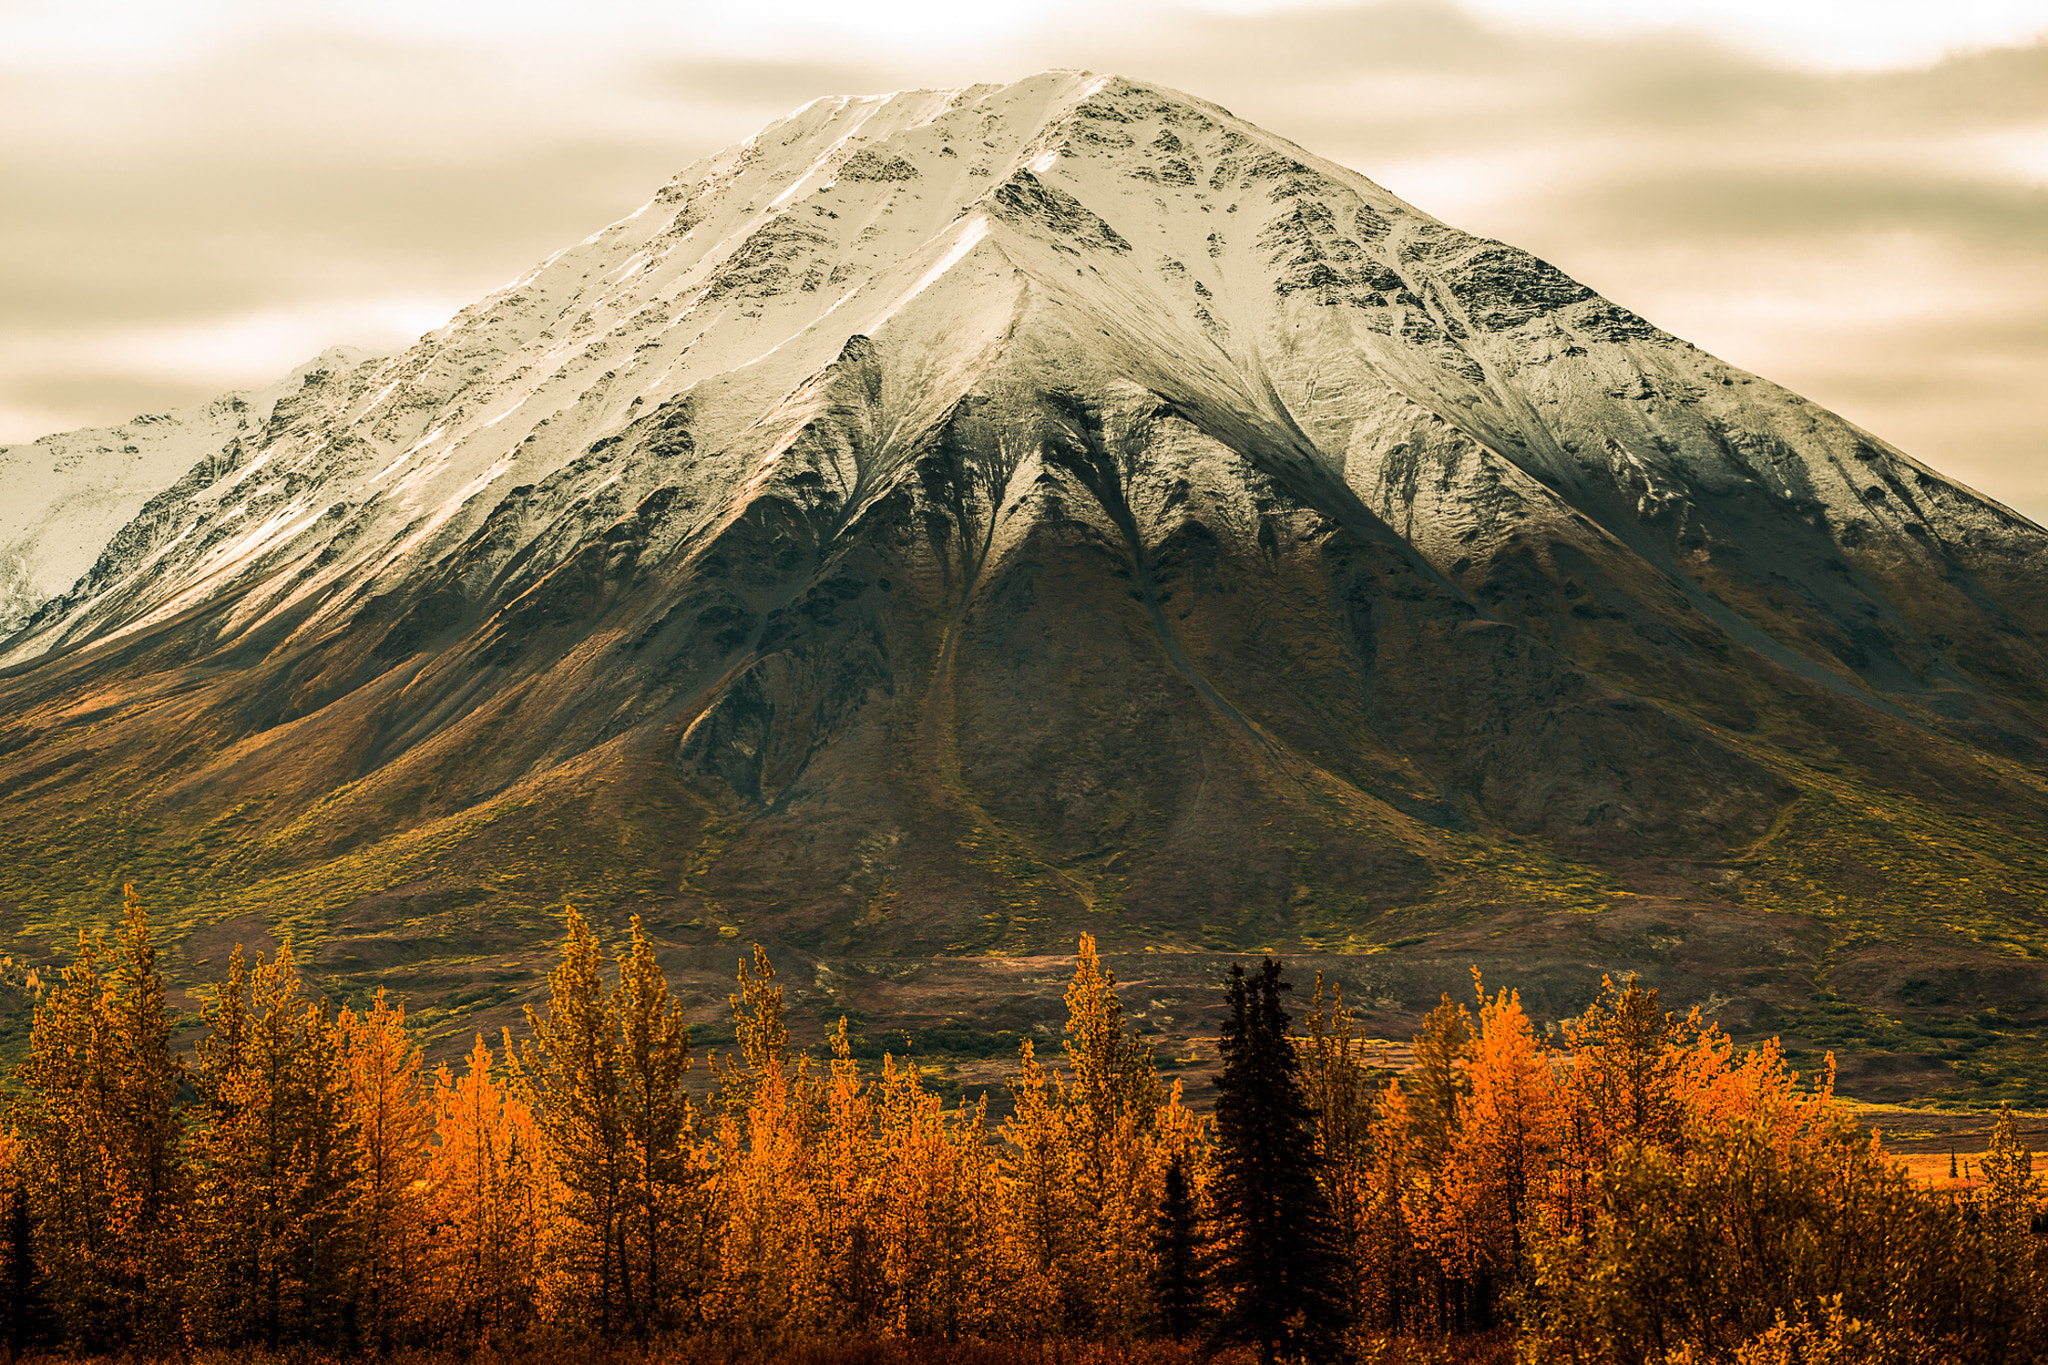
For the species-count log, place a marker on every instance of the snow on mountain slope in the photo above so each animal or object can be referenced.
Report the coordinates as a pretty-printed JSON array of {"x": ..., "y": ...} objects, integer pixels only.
[
  {"x": 63, "y": 497},
  {"x": 1441, "y": 377}
]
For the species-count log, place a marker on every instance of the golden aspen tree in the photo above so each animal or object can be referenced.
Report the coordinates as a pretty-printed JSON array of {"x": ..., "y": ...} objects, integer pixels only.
[
  {"x": 1626, "y": 1057},
  {"x": 772, "y": 1270},
  {"x": 280, "y": 1170},
  {"x": 1432, "y": 1106},
  {"x": 904, "y": 1157},
  {"x": 1115, "y": 1083},
  {"x": 1439, "y": 1082},
  {"x": 390, "y": 1104},
  {"x": 1116, "y": 1098},
  {"x": 971, "y": 1270},
  {"x": 1834, "y": 1338},
  {"x": 220, "y": 1281},
  {"x": 568, "y": 1071},
  {"x": 759, "y": 1034},
  {"x": 603, "y": 1075},
  {"x": 1647, "y": 1194},
  {"x": 753, "y": 1179},
  {"x": 1393, "y": 1291},
  {"x": 846, "y": 1292},
  {"x": 2014, "y": 1279},
  {"x": 65, "y": 1083},
  {"x": 766, "y": 1279},
  {"x": 2009, "y": 1194},
  {"x": 491, "y": 1193},
  {"x": 937, "y": 1217},
  {"x": 1623, "y": 1085},
  {"x": 668, "y": 1237},
  {"x": 1718, "y": 1088},
  {"x": 102, "y": 1142},
  {"x": 148, "y": 1135},
  {"x": 326, "y": 1211},
  {"x": 849, "y": 1207},
  {"x": 1497, "y": 1168},
  {"x": 1335, "y": 1079},
  {"x": 1088, "y": 1159},
  {"x": 1041, "y": 1178},
  {"x": 1736, "y": 1216},
  {"x": 1695, "y": 1254}
]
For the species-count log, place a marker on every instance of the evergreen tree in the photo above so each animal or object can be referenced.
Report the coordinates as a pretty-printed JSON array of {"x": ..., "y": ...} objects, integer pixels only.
[
  {"x": 1278, "y": 1265},
  {"x": 26, "y": 1321},
  {"x": 1179, "y": 1294}
]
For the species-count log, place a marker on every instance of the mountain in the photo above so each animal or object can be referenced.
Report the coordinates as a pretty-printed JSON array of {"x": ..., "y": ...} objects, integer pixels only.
[
  {"x": 69, "y": 494},
  {"x": 955, "y": 519}
]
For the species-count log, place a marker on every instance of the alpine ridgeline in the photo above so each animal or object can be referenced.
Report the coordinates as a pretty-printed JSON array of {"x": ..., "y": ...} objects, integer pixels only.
[{"x": 956, "y": 518}]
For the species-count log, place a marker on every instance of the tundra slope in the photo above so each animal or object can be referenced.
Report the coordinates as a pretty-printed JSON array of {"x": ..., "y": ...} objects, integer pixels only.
[{"x": 953, "y": 518}]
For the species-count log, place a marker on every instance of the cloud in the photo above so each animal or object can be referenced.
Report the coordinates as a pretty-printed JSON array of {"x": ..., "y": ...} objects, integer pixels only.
[
  {"x": 114, "y": 370},
  {"x": 784, "y": 85},
  {"x": 1813, "y": 34},
  {"x": 128, "y": 233}
]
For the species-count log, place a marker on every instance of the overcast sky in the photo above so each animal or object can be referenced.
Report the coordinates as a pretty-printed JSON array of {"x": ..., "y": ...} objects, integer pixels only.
[{"x": 1850, "y": 198}]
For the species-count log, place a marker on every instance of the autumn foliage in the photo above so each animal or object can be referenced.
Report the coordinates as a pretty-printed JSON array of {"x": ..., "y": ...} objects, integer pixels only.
[{"x": 1628, "y": 1188}]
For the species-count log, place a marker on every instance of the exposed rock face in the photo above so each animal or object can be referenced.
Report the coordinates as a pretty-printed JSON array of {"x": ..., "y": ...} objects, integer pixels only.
[{"x": 955, "y": 518}]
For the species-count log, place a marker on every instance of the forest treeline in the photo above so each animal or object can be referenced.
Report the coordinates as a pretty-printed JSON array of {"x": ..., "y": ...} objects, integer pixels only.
[{"x": 1635, "y": 1189}]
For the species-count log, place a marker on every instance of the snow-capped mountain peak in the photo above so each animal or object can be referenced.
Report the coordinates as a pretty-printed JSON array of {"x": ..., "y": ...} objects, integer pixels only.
[{"x": 1226, "y": 270}]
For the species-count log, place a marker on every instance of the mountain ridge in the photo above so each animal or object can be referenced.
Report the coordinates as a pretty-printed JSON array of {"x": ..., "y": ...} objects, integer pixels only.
[{"x": 951, "y": 519}]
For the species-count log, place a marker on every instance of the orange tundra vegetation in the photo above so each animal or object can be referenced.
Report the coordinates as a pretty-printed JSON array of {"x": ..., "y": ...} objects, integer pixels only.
[{"x": 1640, "y": 1191}]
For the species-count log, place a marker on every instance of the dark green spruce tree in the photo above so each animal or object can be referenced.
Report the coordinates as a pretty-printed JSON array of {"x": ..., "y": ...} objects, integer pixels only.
[
  {"x": 1179, "y": 1295},
  {"x": 26, "y": 1320},
  {"x": 1278, "y": 1264}
]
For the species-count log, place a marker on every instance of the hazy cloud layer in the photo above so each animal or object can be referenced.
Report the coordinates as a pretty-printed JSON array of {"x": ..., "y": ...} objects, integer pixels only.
[{"x": 200, "y": 204}]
